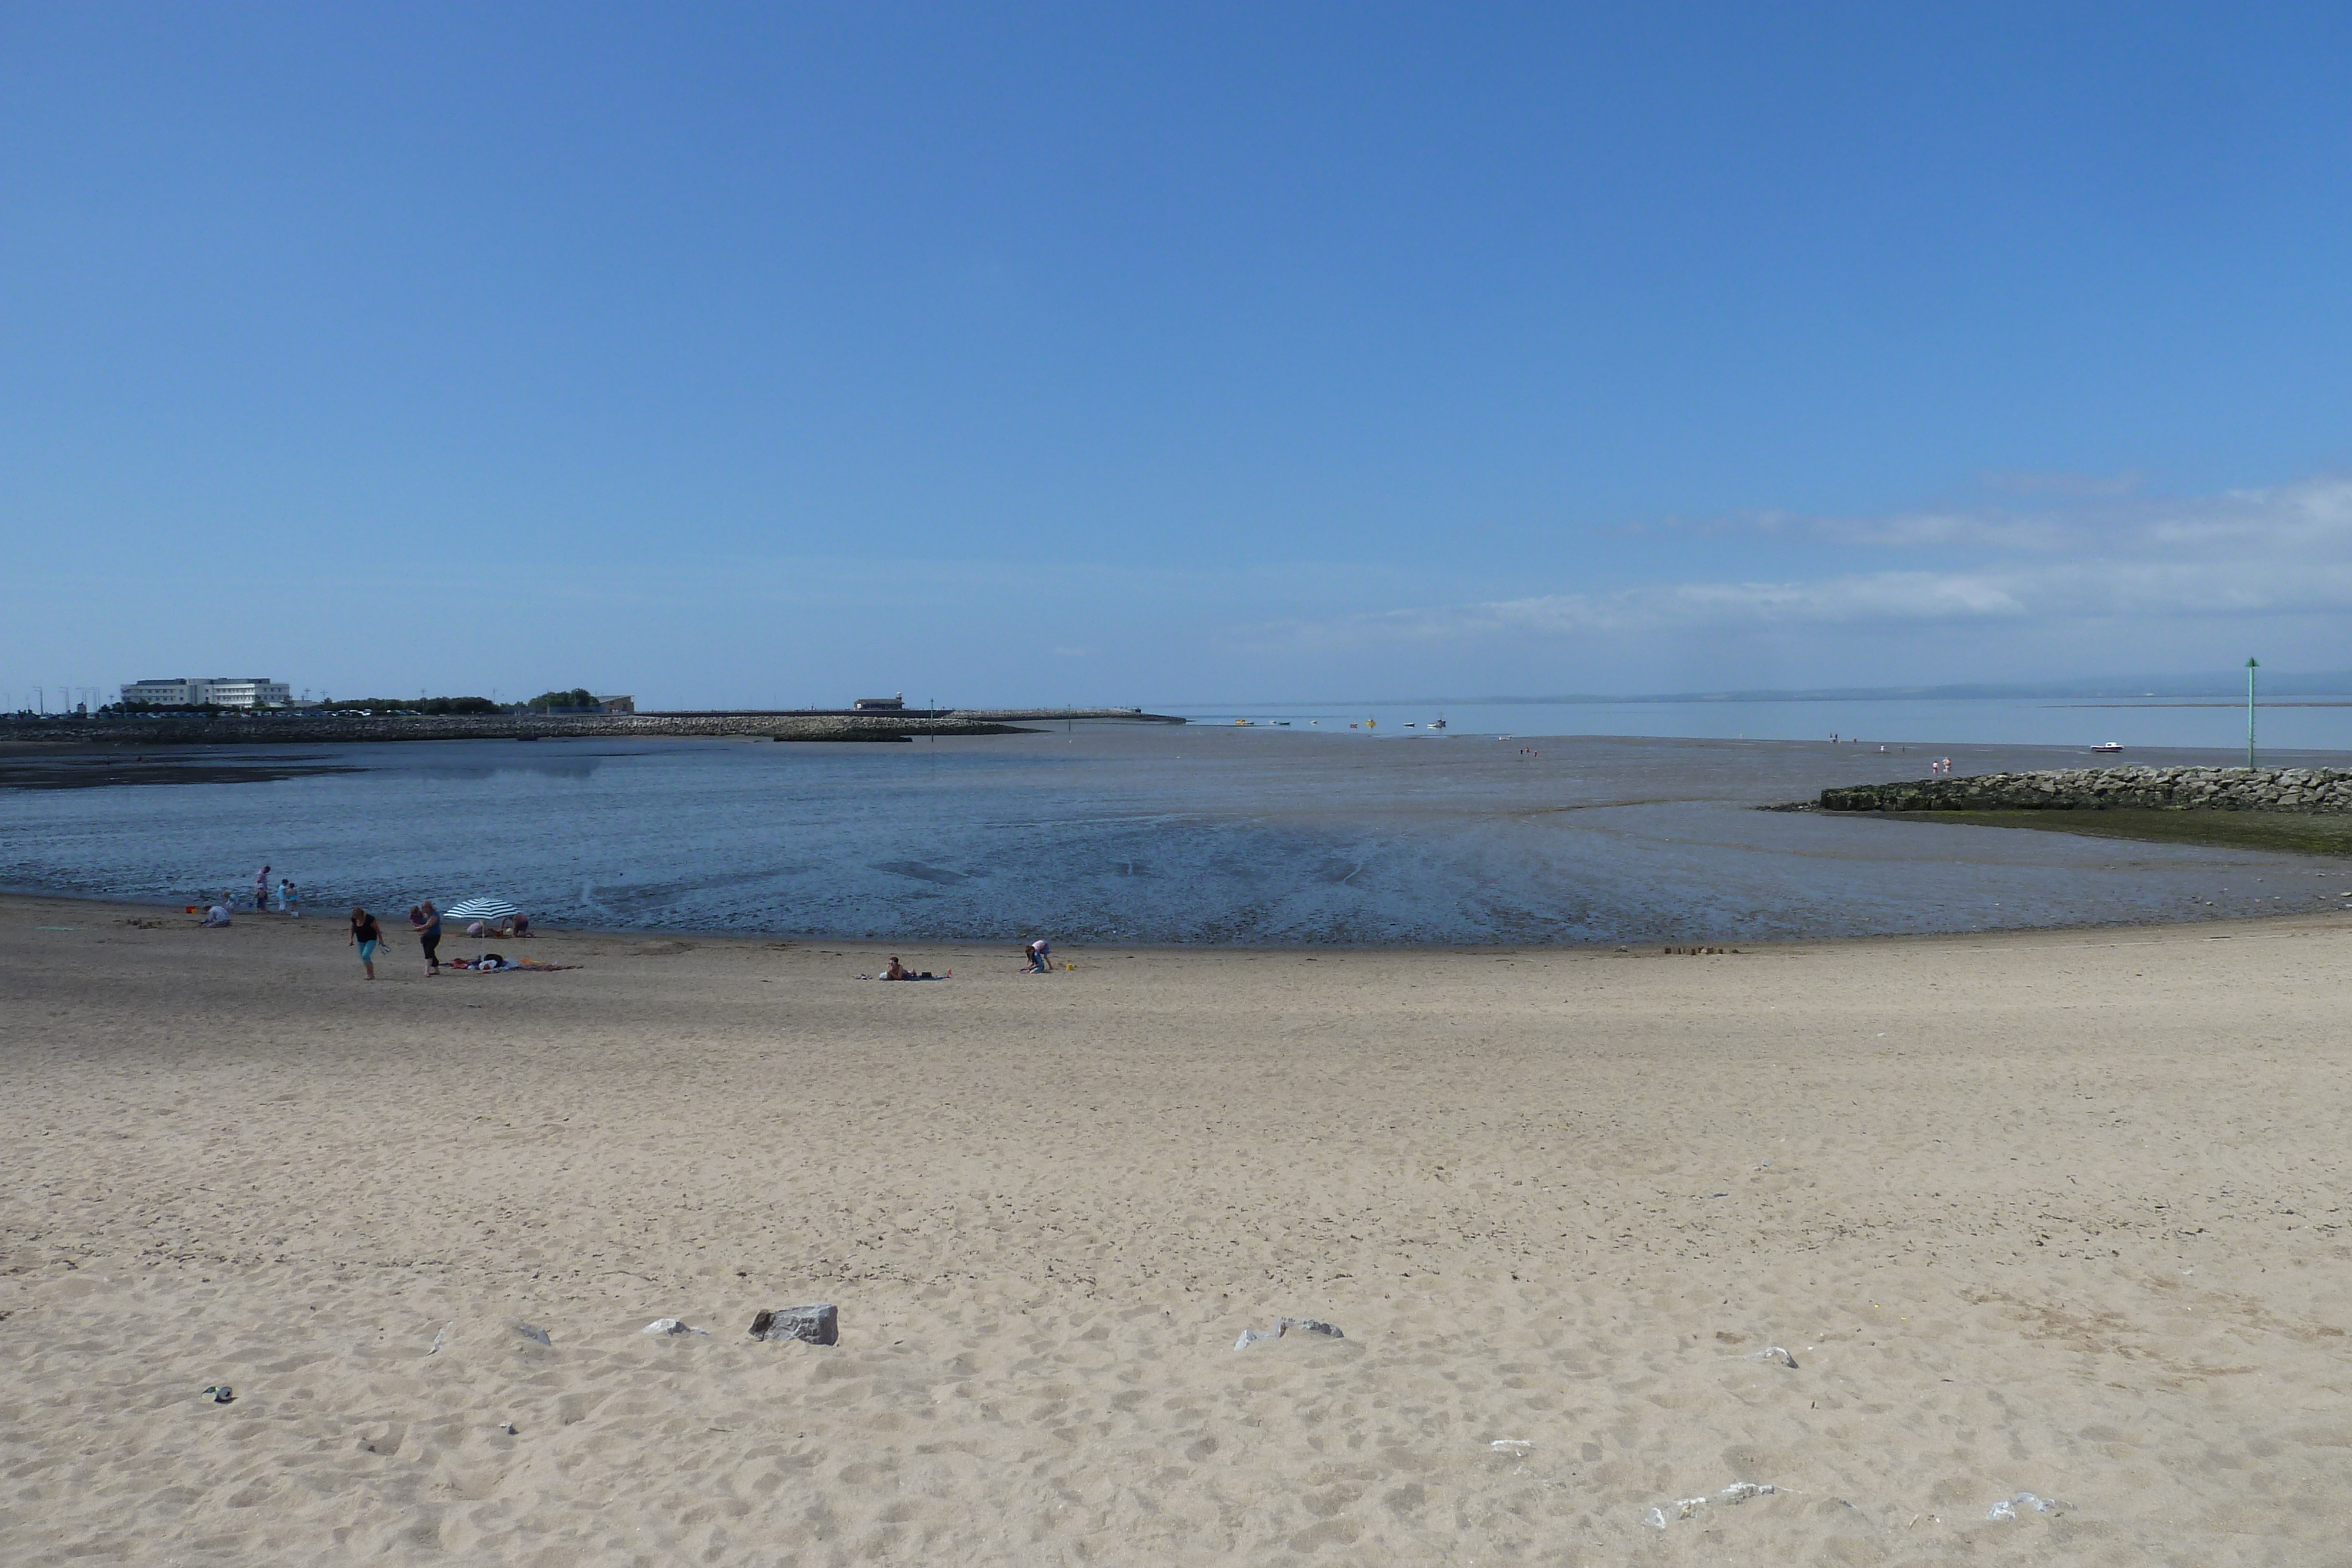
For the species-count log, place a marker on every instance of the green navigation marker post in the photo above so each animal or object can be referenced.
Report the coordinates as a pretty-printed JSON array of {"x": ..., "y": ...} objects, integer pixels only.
[{"x": 2251, "y": 667}]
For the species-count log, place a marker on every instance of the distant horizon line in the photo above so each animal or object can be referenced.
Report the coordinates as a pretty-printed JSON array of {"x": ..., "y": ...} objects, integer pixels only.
[{"x": 2279, "y": 684}]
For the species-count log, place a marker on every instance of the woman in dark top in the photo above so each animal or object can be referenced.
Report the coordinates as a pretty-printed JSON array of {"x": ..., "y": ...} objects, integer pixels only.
[
  {"x": 365, "y": 934},
  {"x": 427, "y": 922}
]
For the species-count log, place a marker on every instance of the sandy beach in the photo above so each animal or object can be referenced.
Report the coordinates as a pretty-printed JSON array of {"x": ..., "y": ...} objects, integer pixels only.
[{"x": 2057, "y": 1213}]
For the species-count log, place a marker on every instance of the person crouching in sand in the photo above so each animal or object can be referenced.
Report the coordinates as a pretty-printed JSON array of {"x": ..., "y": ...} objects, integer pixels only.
[
  {"x": 1037, "y": 952},
  {"x": 365, "y": 934}
]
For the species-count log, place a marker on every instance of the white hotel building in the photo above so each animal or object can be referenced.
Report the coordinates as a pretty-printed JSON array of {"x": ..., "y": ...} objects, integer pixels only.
[{"x": 221, "y": 691}]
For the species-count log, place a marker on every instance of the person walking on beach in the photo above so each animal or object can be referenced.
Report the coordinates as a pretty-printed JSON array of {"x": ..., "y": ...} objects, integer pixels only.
[
  {"x": 428, "y": 922},
  {"x": 261, "y": 890},
  {"x": 365, "y": 934}
]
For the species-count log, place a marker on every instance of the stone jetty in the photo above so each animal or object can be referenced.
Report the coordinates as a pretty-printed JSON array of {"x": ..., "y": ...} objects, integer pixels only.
[{"x": 2093, "y": 789}]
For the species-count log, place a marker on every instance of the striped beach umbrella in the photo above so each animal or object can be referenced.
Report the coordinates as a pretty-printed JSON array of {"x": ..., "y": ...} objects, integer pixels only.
[{"x": 481, "y": 909}]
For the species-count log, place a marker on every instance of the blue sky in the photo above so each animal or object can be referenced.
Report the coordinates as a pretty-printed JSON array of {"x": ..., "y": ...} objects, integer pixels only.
[{"x": 760, "y": 354}]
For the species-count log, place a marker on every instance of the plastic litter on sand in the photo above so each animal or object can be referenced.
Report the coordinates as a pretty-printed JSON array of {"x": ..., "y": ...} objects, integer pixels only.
[
  {"x": 1283, "y": 1326},
  {"x": 1731, "y": 1496},
  {"x": 2007, "y": 1507}
]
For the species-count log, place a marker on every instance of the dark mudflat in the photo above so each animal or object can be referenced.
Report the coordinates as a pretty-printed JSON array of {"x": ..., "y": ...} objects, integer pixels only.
[
  {"x": 2291, "y": 832},
  {"x": 26, "y": 769}
]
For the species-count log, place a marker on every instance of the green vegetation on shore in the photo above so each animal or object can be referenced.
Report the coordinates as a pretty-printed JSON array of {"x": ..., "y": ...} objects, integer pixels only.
[{"x": 2291, "y": 832}]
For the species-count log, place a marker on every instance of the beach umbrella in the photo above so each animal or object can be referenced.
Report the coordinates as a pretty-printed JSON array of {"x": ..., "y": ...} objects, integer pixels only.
[{"x": 481, "y": 909}]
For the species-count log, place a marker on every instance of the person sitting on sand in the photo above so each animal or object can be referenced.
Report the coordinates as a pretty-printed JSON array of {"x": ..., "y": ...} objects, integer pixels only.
[
  {"x": 217, "y": 915},
  {"x": 1037, "y": 952},
  {"x": 522, "y": 925}
]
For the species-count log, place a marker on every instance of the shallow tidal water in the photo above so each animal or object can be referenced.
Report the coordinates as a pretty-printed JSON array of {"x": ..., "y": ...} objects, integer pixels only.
[{"x": 1137, "y": 834}]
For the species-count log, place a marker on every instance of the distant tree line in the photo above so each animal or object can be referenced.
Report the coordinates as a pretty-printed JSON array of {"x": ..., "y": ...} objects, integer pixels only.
[{"x": 577, "y": 697}]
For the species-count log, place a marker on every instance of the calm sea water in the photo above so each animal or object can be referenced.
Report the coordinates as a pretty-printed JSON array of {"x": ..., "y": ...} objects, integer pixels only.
[
  {"x": 2319, "y": 723},
  {"x": 1207, "y": 833}
]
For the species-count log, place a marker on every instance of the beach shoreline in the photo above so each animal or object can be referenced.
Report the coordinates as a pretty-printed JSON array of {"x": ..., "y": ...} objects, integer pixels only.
[{"x": 884, "y": 943}]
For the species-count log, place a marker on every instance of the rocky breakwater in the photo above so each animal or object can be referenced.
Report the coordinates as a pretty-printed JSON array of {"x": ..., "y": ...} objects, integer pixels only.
[{"x": 2095, "y": 789}]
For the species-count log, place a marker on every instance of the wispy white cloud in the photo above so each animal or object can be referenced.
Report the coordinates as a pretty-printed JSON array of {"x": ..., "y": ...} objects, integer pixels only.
[
  {"x": 2106, "y": 520},
  {"x": 2283, "y": 551}
]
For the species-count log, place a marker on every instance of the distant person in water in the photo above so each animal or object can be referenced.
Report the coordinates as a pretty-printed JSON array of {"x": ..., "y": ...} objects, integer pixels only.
[
  {"x": 290, "y": 898},
  {"x": 1037, "y": 952},
  {"x": 261, "y": 890},
  {"x": 365, "y": 934}
]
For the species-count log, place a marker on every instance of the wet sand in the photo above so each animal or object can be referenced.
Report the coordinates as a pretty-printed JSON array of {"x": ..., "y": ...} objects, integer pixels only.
[{"x": 2058, "y": 1213}]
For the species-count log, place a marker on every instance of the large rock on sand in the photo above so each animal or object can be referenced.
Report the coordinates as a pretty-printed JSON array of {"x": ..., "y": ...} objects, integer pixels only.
[{"x": 818, "y": 1324}]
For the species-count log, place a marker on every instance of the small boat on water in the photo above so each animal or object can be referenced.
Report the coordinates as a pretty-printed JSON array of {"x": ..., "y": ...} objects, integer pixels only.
[{"x": 2109, "y": 746}]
